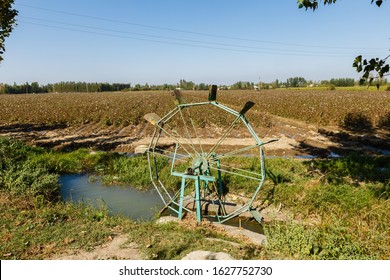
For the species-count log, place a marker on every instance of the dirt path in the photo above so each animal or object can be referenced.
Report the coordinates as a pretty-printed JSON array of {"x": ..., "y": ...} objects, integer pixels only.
[
  {"x": 127, "y": 139},
  {"x": 295, "y": 138},
  {"x": 118, "y": 248}
]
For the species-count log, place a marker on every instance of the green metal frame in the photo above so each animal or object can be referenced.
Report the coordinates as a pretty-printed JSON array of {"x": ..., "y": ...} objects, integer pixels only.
[{"x": 175, "y": 201}]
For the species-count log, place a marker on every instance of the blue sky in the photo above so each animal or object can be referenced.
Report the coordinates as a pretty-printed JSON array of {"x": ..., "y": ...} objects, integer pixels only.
[{"x": 210, "y": 41}]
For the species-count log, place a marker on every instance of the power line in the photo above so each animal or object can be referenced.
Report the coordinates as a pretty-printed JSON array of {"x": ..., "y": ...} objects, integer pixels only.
[
  {"x": 186, "y": 31},
  {"x": 183, "y": 44},
  {"x": 180, "y": 39}
]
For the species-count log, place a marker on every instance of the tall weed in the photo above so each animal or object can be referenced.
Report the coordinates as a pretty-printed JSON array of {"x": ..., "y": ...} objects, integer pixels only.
[{"x": 20, "y": 176}]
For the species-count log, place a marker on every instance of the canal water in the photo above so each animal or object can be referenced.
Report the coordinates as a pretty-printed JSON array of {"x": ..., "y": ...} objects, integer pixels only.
[{"x": 124, "y": 200}]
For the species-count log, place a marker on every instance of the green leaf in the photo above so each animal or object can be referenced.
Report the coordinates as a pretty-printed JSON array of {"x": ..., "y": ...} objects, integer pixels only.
[{"x": 358, "y": 59}]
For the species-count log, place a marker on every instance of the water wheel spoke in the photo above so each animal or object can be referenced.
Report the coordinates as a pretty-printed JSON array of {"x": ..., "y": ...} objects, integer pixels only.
[
  {"x": 176, "y": 140},
  {"x": 223, "y": 137},
  {"x": 188, "y": 133},
  {"x": 195, "y": 131}
]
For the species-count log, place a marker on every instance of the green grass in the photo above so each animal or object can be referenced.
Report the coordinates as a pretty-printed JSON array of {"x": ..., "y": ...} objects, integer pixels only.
[
  {"x": 31, "y": 230},
  {"x": 341, "y": 211},
  {"x": 174, "y": 241},
  {"x": 356, "y": 167},
  {"x": 328, "y": 242},
  {"x": 112, "y": 167},
  {"x": 39, "y": 229},
  {"x": 335, "y": 208}
]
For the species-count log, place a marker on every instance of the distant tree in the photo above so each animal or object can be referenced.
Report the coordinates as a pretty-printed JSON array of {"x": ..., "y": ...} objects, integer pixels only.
[
  {"x": 265, "y": 86},
  {"x": 203, "y": 86},
  {"x": 343, "y": 82},
  {"x": 34, "y": 87},
  {"x": 275, "y": 84},
  {"x": 3, "y": 88},
  {"x": 372, "y": 69},
  {"x": 243, "y": 85},
  {"x": 183, "y": 84},
  {"x": 296, "y": 82},
  {"x": 27, "y": 88},
  {"x": 7, "y": 22}
]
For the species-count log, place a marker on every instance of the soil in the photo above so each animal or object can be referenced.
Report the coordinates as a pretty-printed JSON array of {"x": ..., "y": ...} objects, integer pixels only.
[
  {"x": 296, "y": 139},
  {"x": 116, "y": 248}
]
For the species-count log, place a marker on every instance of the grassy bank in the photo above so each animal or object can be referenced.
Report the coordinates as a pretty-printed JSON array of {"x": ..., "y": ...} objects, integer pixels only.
[
  {"x": 339, "y": 209},
  {"x": 36, "y": 224},
  {"x": 332, "y": 208}
]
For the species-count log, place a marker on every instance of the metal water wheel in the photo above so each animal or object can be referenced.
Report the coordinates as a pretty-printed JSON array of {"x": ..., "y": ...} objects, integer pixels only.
[{"x": 201, "y": 170}]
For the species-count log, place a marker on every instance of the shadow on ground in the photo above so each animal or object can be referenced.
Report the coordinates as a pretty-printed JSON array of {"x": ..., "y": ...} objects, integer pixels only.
[{"x": 363, "y": 141}]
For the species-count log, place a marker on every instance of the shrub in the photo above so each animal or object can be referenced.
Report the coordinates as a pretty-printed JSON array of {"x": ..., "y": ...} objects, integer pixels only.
[
  {"x": 297, "y": 241},
  {"x": 21, "y": 176},
  {"x": 13, "y": 151},
  {"x": 331, "y": 87},
  {"x": 355, "y": 166},
  {"x": 356, "y": 121}
]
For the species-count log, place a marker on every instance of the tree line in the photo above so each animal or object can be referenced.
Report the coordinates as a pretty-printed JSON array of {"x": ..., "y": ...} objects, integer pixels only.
[
  {"x": 63, "y": 87},
  {"x": 35, "y": 87}
]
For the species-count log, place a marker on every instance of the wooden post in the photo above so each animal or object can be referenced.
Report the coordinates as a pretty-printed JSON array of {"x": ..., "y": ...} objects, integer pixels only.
[{"x": 213, "y": 93}]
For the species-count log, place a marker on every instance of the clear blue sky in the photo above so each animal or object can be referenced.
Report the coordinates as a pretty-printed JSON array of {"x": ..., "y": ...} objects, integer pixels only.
[{"x": 210, "y": 41}]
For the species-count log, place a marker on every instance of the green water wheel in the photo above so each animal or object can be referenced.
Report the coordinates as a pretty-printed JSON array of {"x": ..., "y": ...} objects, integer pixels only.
[{"x": 200, "y": 153}]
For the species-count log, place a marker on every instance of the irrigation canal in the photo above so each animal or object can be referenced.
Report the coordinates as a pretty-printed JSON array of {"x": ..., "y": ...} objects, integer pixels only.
[{"x": 125, "y": 200}]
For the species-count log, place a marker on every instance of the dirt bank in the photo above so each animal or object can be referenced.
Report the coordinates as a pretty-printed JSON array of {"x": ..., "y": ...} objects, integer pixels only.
[{"x": 295, "y": 138}]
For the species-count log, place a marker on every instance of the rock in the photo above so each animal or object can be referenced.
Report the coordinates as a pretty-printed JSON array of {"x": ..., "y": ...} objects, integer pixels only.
[
  {"x": 167, "y": 219},
  {"x": 117, "y": 249},
  {"x": 141, "y": 149},
  {"x": 207, "y": 255},
  {"x": 253, "y": 237}
]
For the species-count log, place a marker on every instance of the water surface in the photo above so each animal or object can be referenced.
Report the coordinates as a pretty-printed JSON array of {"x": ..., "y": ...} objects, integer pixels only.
[{"x": 125, "y": 200}]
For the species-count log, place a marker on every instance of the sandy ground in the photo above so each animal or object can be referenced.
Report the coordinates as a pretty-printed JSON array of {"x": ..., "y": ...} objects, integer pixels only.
[
  {"x": 294, "y": 138},
  {"x": 117, "y": 248}
]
